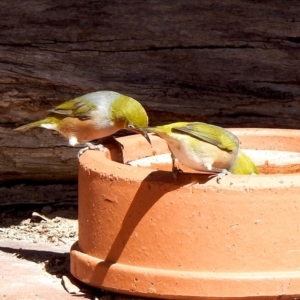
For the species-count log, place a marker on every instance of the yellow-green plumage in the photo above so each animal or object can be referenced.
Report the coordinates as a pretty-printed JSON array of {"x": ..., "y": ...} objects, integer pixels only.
[
  {"x": 55, "y": 119},
  {"x": 94, "y": 116},
  {"x": 205, "y": 147},
  {"x": 212, "y": 134},
  {"x": 80, "y": 107},
  {"x": 131, "y": 112},
  {"x": 244, "y": 165}
]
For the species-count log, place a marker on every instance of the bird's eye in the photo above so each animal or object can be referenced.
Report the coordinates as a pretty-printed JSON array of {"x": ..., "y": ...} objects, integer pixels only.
[{"x": 130, "y": 126}]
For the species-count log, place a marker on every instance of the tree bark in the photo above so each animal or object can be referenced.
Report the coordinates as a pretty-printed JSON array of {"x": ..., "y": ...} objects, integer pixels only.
[{"x": 233, "y": 63}]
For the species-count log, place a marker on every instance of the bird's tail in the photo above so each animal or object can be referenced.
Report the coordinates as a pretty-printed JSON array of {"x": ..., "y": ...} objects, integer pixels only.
[
  {"x": 48, "y": 120},
  {"x": 29, "y": 126},
  {"x": 244, "y": 165}
]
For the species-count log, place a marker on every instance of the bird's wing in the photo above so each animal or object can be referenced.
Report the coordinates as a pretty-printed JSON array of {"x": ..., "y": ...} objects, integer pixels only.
[
  {"x": 78, "y": 108},
  {"x": 214, "y": 135}
]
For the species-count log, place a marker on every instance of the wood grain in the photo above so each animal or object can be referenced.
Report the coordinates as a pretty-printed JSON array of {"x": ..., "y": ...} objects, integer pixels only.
[{"x": 234, "y": 63}]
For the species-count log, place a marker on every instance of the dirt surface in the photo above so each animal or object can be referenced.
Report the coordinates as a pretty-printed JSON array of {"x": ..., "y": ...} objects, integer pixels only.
[
  {"x": 44, "y": 235},
  {"x": 40, "y": 224}
]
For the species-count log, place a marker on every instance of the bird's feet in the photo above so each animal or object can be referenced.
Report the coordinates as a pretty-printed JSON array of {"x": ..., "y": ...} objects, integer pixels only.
[
  {"x": 175, "y": 172},
  {"x": 90, "y": 146},
  {"x": 220, "y": 175}
]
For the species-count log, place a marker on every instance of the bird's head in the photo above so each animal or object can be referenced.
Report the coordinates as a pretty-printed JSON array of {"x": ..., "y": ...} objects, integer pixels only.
[{"x": 128, "y": 113}]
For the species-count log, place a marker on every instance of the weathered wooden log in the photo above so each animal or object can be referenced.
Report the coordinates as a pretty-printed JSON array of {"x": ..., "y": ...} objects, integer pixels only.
[
  {"x": 42, "y": 194},
  {"x": 234, "y": 63},
  {"x": 28, "y": 157}
]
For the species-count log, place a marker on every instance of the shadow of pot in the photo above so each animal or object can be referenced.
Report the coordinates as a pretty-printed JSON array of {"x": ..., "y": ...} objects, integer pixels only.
[{"x": 142, "y": 234}]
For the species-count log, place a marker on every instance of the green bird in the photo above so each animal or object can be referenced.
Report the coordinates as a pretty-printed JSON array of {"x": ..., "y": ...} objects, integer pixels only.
[
  {"x": 204, "y": 147},
  {"x": 94, "y": 116}
]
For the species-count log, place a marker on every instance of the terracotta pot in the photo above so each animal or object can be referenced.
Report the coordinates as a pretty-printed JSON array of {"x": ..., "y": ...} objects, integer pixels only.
[{"x": 142, "y": 234}]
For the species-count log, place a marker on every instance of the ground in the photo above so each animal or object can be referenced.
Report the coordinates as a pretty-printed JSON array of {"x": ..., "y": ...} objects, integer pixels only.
[
  {"x": 40, "y": 224},
  {"x": 34, "y": 255}
]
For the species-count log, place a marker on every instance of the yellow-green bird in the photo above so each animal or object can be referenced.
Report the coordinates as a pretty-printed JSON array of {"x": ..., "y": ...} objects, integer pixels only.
[
  {"x": 94, "y": 116},
  {"x": 204, "y": 147}
]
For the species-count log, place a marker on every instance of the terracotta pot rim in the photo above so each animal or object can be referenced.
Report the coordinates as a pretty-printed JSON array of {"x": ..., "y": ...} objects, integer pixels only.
[{"x": 141, "y": 173}]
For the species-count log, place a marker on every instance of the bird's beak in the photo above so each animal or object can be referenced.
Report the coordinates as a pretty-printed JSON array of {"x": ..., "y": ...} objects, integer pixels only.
[{"x": 143, "y": 133}]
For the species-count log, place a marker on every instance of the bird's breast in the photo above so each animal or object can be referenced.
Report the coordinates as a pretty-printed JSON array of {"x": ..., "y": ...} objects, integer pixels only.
[
  {"x": 198, "y": 154},
  {"x": 85, "y": 130}
]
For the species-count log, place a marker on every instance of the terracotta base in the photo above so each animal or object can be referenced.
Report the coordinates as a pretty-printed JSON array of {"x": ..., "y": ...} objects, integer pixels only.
[{"x": 142, "y": 234}]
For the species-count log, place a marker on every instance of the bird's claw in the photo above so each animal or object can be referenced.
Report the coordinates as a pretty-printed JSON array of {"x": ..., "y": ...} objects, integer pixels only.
[
  {"x": 220, "y": 175},
  {"x": 90, "y": 146},
  {"x": 175, "y": 172},
  {"x": 175, "y": 169}
]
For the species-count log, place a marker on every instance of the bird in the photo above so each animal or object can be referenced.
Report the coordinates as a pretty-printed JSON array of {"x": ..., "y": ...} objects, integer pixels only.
[
  {"x": 204, "y": 147},
  {"x": 94, "y": 116}
]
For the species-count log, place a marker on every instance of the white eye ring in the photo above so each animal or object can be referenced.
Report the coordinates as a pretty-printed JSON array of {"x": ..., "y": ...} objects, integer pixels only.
[{"x": 130, "y": 126}]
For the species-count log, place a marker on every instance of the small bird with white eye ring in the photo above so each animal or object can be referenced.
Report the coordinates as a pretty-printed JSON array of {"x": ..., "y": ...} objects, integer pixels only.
[
  {"x": 94, "y": 116},
  {"x": 204, "y": 147}
]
